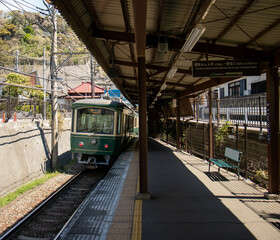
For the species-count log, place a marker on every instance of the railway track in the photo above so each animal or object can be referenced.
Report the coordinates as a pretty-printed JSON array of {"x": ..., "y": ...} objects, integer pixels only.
[{"x": 46, "y": 220}]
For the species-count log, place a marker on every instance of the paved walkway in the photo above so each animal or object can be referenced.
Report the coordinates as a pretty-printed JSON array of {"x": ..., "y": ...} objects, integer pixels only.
[{"x": 187, "y": 204}]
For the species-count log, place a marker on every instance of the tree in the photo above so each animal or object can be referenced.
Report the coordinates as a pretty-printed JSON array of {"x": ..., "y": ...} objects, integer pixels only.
[
  {"x": 16, "y": 91},
  {"x": 7, "y": 31}
]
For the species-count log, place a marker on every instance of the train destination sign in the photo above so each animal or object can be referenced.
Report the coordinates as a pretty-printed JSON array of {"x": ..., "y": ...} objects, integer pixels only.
[{"x": 228, "y": 68}]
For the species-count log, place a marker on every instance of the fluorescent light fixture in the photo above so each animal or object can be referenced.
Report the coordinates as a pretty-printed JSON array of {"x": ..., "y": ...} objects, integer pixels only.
[
  {"x": 171, "y": 72},
  {"x": 163, "y": 87},
  {"x": 193, "y": 38}
]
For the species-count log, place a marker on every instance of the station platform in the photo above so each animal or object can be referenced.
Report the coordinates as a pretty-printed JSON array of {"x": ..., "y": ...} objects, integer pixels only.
[{"x": 186, "y": 202}]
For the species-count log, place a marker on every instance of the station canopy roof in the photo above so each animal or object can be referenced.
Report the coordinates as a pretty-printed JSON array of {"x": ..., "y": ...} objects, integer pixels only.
[{"x": 226, "y": 30}]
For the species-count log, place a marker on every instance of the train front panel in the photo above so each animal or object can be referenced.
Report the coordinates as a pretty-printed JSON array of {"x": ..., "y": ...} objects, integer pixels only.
[{"x": 100, "y": 130}]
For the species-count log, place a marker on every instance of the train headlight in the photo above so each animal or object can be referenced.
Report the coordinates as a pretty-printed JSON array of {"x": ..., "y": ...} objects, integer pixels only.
[
  {"x": 81, "y": 144},
  {"x": 106, "y": 146},
  {"x": 93, "y": 141}
]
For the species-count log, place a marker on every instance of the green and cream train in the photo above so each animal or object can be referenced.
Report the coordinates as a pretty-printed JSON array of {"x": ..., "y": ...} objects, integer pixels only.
[{"x": 100, "y": 130}]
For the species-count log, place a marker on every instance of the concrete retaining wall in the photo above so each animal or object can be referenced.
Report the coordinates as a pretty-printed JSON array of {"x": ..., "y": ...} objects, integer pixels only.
[{"x": 25, "y": 151}]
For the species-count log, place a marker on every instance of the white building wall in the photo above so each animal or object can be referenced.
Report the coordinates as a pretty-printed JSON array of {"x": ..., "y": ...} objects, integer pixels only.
[{"x": 250, "y": 81}]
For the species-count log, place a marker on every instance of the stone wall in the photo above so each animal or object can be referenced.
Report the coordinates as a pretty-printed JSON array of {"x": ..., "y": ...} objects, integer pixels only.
[{"x": 25, "y": 151}]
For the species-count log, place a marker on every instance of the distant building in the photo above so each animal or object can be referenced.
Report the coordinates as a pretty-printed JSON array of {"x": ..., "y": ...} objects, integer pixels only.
[
  {"x": 84, "y": 91},
  {"x": 34, "y": 80},
  {"x": 244, "y": 86}
]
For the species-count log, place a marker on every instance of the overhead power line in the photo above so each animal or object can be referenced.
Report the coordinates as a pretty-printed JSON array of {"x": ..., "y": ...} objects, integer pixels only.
[
  {"x": 41, "y": 9},
  {"x": 23, "y": 73}
]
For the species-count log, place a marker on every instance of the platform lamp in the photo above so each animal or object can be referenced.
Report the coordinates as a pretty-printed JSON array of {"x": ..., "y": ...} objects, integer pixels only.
[{"x": 193, "y": 38}]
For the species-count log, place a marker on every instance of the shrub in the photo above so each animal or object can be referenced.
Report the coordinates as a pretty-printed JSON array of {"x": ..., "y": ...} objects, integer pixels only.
[{"x": 222, "y": 133}]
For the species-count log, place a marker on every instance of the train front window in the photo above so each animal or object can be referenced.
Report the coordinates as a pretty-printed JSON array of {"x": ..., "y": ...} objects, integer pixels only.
[{"x": 95, "y": 120}]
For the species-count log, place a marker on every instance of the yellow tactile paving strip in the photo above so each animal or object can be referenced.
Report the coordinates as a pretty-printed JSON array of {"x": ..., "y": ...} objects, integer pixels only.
[
  {"x": 128, "y": 210},
  {"x": 137, "y": 222}
]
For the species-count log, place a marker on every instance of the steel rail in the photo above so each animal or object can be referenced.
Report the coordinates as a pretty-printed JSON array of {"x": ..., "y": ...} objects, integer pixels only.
[{"x": 23, "y": 221}]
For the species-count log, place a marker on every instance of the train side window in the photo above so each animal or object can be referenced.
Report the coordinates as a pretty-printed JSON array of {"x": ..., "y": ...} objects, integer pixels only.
[
  {"x": 119, "y": 119},
  {"x": 124, "y": 124}
]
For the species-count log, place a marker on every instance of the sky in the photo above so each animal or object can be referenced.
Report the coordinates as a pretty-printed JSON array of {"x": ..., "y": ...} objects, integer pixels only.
[{"x": 27, "y": 5}]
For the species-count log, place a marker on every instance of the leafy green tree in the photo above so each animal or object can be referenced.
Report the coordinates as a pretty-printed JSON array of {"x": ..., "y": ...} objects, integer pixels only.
[
  {"x": 7, "y": 30},
  {"x": 17, "y": 79},
  {"x": 28, "y": 29},
  {"x": 22, "y": 81}
]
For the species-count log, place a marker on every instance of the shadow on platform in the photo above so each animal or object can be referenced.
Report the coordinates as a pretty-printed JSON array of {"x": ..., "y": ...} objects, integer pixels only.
[{"x": 182, "y": 207}]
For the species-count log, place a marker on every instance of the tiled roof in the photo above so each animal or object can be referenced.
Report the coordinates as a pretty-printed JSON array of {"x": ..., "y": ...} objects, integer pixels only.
[{"x": 85, "y": 87}]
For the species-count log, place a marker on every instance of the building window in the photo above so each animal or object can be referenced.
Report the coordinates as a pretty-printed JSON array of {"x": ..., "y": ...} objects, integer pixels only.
[
  {"x": 234, "y": 89},
  {"x": 222, "y": 92},
  {"x": 243, "y": 86},
  {"x": 258, "y": 87}
]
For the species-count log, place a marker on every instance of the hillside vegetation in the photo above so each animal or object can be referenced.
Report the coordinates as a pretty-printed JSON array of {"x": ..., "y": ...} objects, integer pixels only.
[{"x": 30, "y": 33}]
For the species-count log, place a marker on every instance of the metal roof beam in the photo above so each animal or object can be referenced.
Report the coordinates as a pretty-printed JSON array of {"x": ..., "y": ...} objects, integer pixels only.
[
  {"x": 151, "y": 66},
  {"x": 234, "y": 19},
  {"x": 91, "y": 10},
  {"x": 168, "y": 83},
  {"x": 266, "y": 30},
  {"x": 152, "y": 81},
  {"x": 175, "y": 44},
  {"x": 128, "y": 29},
  {"x": 199, "y": 11},
  {"x": 203, "y": 86}
]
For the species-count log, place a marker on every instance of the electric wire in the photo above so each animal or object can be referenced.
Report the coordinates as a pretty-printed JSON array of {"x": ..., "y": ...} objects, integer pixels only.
[
  {"x": 24, "y": 12},
  {"x": 34, "y": 5},
  {"x": 24, "y": 57},
  {"x": 4, "y": 3},
  {"x": 26, "y": 74}
]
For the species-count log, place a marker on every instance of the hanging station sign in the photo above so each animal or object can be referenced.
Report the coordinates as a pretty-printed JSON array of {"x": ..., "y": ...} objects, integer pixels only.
[{"x": 227, "y": 68}]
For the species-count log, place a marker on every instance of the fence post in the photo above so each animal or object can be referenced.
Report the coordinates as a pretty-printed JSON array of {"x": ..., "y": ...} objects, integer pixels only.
[
  {"x": 213, "y": 139},
  {"x": 186, "y": 138},
  {"x": 218, "y": 108},
  {"x": 203, "y": 135},
  {"x": 190, "y": 138},
  {"x": 236, "y": 141},
  {"x": 246, "y": 114},
  {"x": 194, "y": 108},
  {"x": 260, "y": 113},
  {"x": 227, "y": 114},
  {"x": 245, "y": 148},
  {"x": 197, "y": 110}
]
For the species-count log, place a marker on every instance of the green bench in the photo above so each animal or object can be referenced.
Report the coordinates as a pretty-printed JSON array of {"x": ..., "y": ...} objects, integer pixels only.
[{"x": 232, "y": 160}]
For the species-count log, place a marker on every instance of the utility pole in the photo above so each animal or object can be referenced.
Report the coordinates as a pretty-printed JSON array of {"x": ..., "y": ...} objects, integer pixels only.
[
  {"x": 53, "y": 65},
  {"x": 92, "y": 75},
  {"x": 44, "y": 84}
]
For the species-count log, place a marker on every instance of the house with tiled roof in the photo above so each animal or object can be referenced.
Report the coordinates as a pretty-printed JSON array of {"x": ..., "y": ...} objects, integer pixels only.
[{"x": 84, "y": 91}]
